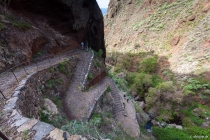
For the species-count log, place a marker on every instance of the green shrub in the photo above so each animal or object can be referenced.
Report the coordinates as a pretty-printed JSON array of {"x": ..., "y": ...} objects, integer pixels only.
[
  {"x": 58, "y": 121},
  {"x": 63, "y": 67},
  {"x": 109, "y": 115},
  {"x": 55, "y": 120},
  {"x": 150, "y": 96},
  {"x": 130, "y": 77},
  {"x": 187, "y": 122},
  {"x": 137, "y": 107},
  {"x": 97, "y": 115},
  {"x": 193, "y": 117},
  {"x": 44, "y": 117},
  {"x": 148, "y": 65},
  {"x": 177, "y": 134},
  {"x": 98, "y": 54},
  {"x": 170, "y": 134},
  {"x": 121, "y": 83},
  {"x": 187, "y": 92},
  {"x": 52, "y": 70},
  {"x": 108, "y": 89},
  {"x": 138, "y": 25},
  {"x": 136, "y": 45},
  {"x": 193, "y": 85},
  {"x": 139, "y": 82},
  {"x": 168, "y": 74},
  {"x": 25, "y": 134},
  {"x": 166, "y": 86},
  {"x": 83, "y": 128},
  {"x": 52, "y": 83},
  {"x": 194, "y": 130},
  {"x": 1, "y": 26},
  {"x": 98, "y": 64},
  {"x": 156, "y": 80},
  {"x": 126, "y": 64},
  {"x": 57, "y": 101},
  {"x": 90, "y": 76},
  {"x": 117, "y": 69},
  {"x": 206, "y": 92}
]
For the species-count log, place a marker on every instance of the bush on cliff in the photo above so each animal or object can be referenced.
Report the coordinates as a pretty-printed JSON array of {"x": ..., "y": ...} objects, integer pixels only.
[{"x": 148, "y": 65}]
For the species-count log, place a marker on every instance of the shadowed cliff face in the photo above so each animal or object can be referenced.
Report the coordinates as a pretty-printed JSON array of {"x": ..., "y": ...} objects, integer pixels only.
[{"x": 55, "y": 26}]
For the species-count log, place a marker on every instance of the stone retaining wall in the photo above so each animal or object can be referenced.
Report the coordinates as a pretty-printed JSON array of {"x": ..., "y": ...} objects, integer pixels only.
[
  {"x": 30, "y": 96},
  {"x": 96, "y": 101},
  {"x": 97, "y": 79},
  {"x": 25, "y": 101}
]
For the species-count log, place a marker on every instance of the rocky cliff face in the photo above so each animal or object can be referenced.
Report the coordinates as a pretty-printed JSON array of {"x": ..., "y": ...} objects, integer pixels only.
[
  {"x": 175, "y": 36},
  {"x": 31, "y": 29},
  {"x": 178, "y": 30}
]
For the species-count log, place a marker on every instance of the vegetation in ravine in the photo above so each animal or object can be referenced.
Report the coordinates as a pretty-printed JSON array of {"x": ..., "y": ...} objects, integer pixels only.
[
  {"x": 189, "y": 133},
  {"x": 141, "y": 77}
]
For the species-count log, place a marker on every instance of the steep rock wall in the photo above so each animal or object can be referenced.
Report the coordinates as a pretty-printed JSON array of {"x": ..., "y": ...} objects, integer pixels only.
[
  {"x": 34, "y": 28},
  {"x": 178, "y": 30}
]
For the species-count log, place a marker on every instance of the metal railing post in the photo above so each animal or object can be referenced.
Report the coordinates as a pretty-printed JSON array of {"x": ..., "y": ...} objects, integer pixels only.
[
  {"x": 14, "y": 75},
  {"x": 49, "y": 60},
  {"x": 36, "y": 66},
  {"x": 24, "y": 69},
  {"x": 3, "y": 95},
  {"x": 59, "y": 56}
]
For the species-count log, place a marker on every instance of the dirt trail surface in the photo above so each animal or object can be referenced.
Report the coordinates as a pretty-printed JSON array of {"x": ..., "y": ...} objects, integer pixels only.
[
  {"x": 78, "y": 104},
  {"x": 8, "y": 81}
]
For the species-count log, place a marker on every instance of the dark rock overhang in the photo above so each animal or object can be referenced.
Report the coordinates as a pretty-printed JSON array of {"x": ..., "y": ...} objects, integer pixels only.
[{"x": 80, "y": 19}]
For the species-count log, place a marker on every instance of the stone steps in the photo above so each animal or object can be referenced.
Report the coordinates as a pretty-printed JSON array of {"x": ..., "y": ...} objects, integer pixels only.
[
  {"x": 118, "y": 106},
  {"x": 40, "y": 130}
]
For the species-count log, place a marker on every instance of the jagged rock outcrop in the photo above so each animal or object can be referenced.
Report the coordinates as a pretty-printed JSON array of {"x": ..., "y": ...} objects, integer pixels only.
[{"x": 34, "y": 28}]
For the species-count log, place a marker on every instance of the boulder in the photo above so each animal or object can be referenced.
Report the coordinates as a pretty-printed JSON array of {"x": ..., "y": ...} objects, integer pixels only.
[
  {"x": 142, "y": 117},
  {"x": 178, "y": 127},
  {"x": 76, "y": 137},
  {"x": 175, "y": 41},
  {"x": 142, "y": 105},
  {"x": 121, "y": 75},
  {"x": 137, "y": 98},
  {"x": 50, "y": 106},
  {"x": 191, "y": 18},
  {"x": 163, "y": 124},
  {"x": 130, "y": 2},
  {"x": 155, "y": 123},
  {"x": 206, "y": 8},
  {"x": 171, "y": 125},
  {"x": 133, "y": 93},
  {"x": 205, "y": 125},
  {"x": 174, "y": 125}
]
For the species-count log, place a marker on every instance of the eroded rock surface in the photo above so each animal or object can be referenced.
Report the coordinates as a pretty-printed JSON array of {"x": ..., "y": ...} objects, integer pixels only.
[{"x": 35, "y": 28}]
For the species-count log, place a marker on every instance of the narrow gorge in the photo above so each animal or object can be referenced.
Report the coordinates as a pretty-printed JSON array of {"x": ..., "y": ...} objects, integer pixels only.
[{"x": 139, "y": 72}]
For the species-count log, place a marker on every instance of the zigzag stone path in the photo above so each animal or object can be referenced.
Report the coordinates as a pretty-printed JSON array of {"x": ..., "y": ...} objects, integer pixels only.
[{"x": 79, "y": 104}]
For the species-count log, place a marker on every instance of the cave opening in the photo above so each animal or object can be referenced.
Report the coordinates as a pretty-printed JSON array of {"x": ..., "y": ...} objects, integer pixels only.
[{"x": 176, "y": 120}]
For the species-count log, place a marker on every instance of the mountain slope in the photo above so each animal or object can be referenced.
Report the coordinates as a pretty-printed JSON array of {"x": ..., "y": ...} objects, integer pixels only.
[
  {"x": 172, "y": 28},
  {"x": 158, "y": 52}
]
